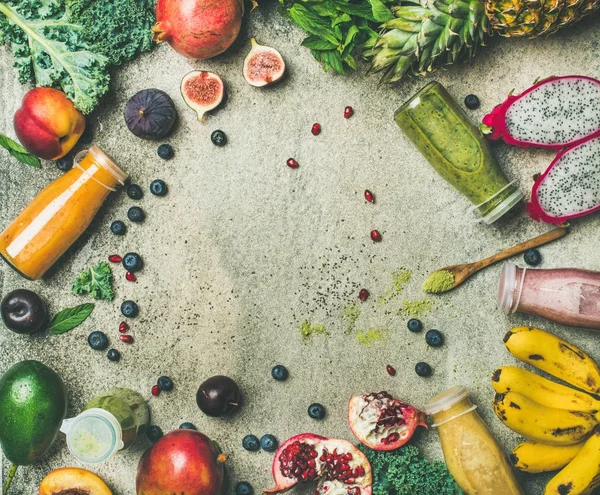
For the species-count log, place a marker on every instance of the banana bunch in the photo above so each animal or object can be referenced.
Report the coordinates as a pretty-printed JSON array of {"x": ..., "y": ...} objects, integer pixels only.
[{"x": 561, "y": 423}]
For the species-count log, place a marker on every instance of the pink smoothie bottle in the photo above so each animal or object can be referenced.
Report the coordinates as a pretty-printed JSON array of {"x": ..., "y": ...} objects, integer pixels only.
[{"x": 570, "y": 296}]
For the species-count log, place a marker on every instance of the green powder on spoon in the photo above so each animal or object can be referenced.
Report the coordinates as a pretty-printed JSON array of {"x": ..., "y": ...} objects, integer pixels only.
[{"x": 439, "y": 281}]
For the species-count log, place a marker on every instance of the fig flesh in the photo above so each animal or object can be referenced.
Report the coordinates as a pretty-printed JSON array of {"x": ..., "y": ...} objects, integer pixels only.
[
  {"x": 202, "y": 92},
  {"x": 150, "y": 114},
  {"x": 263, "y": 65}
]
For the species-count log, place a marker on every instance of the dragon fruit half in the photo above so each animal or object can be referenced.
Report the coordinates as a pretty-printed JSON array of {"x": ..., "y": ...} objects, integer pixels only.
[
  {"x": 570, "y": 187},
  {"x": 554, "y": 113}
]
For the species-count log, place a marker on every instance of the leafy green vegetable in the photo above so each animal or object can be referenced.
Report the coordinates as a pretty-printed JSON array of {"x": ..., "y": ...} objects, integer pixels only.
[
  {"x": 96, "y": 281},
  {"x": 338, "y": 29},
  {"x": 20, "y": 153},
  {"x": 405, "y": 472},
  {"x": 51, "y": 50},
  {"x": 69, "y": 318},
  {"x": 117, "y": 29}
]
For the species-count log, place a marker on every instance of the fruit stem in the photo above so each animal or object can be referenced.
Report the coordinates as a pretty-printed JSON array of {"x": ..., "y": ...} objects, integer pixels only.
[
  {"x": 11, "y": 476},
  {"x": 221, "y": 459}
]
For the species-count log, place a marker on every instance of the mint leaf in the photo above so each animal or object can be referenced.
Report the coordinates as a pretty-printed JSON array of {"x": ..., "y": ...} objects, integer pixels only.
[
  {"x": 317, "y": 43},
  {"x": 69, "y": 318},
  {"x": 96, "y": 281},
  {"x": 20, "y": 153}
]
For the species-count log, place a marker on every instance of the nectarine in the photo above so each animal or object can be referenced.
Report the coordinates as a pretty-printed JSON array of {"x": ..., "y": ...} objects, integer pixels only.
[
  {"x": 73, "y": 480},
  {"x": 48, "y": 124}
]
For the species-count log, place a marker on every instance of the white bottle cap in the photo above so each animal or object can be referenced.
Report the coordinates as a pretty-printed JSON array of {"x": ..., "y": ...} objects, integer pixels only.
[{"x": 94, "y": 436}]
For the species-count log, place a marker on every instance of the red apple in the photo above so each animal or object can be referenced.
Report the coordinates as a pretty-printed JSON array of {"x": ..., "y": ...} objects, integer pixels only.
[
  {"x": 48, "y": 124},
  {"x": 183, "y": 462}
]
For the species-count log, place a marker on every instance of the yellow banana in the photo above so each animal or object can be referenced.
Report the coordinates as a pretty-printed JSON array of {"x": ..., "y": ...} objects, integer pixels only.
[
  {"x": 554, "y": 355},
  {"x": 542, "y": 423},
  {"x": 542, "y": 390},
  {"x": 582, "y": 474},
  {"x": 533, "y": 457}
]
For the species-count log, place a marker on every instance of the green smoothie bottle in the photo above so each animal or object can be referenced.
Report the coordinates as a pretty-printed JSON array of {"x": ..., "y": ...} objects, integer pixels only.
[
  {"x": 458, "y": 151},
  {"x": 108, "y": 423}
]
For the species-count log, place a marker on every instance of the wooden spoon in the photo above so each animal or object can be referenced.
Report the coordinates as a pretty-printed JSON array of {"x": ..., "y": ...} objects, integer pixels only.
[{"x": 464, "y": 271}]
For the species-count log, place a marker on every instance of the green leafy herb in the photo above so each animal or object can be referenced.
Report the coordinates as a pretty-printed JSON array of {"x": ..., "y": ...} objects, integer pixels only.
[
  {"x": 69, "y": 318},
  {"x": 96, "y": 281},
  {"x": 405, "y": 472},
  {"x": 20, "y": 153}
]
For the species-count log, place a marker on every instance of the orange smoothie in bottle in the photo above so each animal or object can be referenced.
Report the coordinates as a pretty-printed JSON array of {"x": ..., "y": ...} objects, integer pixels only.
[{"x": 59, "y": 214}]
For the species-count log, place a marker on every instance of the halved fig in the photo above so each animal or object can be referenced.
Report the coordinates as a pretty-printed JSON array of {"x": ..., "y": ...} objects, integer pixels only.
[
  {"x": 381, "y": 422},
  {"x": 202, "y": 91},
  {"x": 263, "y": 65},
  {"x": 338, "y": 466}
]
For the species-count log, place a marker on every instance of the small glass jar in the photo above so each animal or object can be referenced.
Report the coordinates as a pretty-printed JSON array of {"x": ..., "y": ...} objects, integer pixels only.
[
  {"x": 569, "y": 296},
  {"x": 59, "y": 214},
  {"x": 458, "y": 151},
  {"x": 108, "y": 423},
  {"x": 472, "y": 454}
]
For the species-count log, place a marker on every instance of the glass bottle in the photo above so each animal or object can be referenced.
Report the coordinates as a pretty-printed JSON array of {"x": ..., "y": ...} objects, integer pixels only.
[
  {"x": 472, "y": 454},
  {"x": 569, "y": 296},
  {"x": 458, "y": 151},
  {"x": 59, "y": 214}
]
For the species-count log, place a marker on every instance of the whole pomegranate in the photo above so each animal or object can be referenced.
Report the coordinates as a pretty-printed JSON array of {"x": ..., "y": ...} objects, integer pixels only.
[
  {"x": 184, "y": 462},
  {"x": 198, "y": 29}
]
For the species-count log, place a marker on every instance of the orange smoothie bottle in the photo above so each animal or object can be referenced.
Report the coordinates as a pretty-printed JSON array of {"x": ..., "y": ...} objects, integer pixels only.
[{"x": 59, "y": 214}]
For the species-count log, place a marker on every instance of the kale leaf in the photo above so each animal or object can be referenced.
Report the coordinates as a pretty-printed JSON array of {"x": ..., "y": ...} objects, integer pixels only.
[{"x": 96, "y": 281}]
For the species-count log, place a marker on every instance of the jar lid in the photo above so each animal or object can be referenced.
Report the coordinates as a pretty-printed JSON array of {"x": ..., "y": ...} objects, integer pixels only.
[
  {"x": 105, "y": 160},
  {"x": 445, "y": 400}
]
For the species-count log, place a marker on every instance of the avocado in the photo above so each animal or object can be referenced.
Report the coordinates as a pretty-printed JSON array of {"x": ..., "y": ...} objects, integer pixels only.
[{"x": 33, "y": 403}]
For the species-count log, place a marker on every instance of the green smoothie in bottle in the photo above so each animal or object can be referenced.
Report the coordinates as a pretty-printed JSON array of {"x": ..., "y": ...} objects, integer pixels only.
[
  {"x": 458, "y": 151},
  {"x": 108, "y": 423}
]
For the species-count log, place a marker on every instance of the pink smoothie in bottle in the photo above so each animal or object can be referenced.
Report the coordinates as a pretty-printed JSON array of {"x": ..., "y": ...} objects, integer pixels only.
[{"x": 570, "y": 296}]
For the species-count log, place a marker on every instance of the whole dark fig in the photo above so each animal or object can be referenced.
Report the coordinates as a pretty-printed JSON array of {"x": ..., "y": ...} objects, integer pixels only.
[
  {"x": 150, "y": 114},
  {"x": 218, "y": 396},
  {"x": 23, "y": 311}
]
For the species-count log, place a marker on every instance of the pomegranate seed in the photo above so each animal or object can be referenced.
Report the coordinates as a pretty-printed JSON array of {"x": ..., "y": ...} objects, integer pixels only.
[
  {"x": 130, "y": 276},
  {"x": 155, "y": 390},
  {"x": 292, "y": 163},
  {"x": 363, "y": 295},
  {"x": 128, "y": 339},
  {"x": 369, "y": 196},
  {"x": 316, "y": 129},
  {"x": 391, "y": 370},
  {"x": 115, "y": 258},
  {"x": 348, "y": 112},
  {"x": 376, "y": 236},
  {"x": 123, "y": 327}
]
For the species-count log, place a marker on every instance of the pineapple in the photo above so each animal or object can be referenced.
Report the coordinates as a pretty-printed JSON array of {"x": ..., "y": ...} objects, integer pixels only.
[{"x": 427, "y": 34}]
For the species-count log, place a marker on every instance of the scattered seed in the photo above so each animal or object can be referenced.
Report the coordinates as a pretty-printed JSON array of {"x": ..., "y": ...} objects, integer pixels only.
[
  {"x": 128, "y": 339},
  {"x": 123, "y": 327},
  {"x": 369, "y": 196},
  {"x": 363, "y": 295},
  {"x": 130, "y": 276},
  {"x": 391, "y": 370},
  {"x": 155, "y": 390},
  {"x": 115, "y": 258},
  {"x": 316, "y": 129},
  {"x": 348, "y": 112},
  {"x": 375, "y": 236},
  {"x": 292, "y": 163}
]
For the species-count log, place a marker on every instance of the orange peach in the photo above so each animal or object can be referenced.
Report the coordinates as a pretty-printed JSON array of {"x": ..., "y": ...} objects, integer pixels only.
[
  {"x": 73, "y": 480},
  {"x": 48, "y": 124}
]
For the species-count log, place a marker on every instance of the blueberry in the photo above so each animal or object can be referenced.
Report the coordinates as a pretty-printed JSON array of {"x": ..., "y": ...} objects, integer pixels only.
[
  {"x": 165, "y": 151},
  {"x": 423, "y": 369},
  {"x": 269, "y": 443},
  {"x": 532, "y": 257},
  {"x": 316, "y": 411},
  {"x": 135, "y": 192},
  {"x": 87, "y": 136},
  {"x": 165, "y": 384},
  {"x": 113, "y": 355},
  {"x": 158, "y": 187},
  {"x": 132, "y": 262},
  {"x": 244, "y": 488},
  {"x": 154, "y": 433},
  {"x": 218, "y": 138},
  {"x": 434, "y": 338},
  {"x": 251, "y": 443},
  {"x": 280, "y": 373},
  {"x": 129, "y": 309},
  {"x": 118, "y": 227},
  {"x": 415, "y": 325},
  {"x": 187, "y": 426},
  {"x": 98, "y": 341},
  {"x": 472, "y": 102},
  {"x": 136, "y": 214},
  {"x": 64, "y": 164}
]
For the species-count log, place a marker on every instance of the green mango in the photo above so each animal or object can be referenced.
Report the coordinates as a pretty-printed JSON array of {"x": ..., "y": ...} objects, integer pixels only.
[{"x": 33, "y": 404}]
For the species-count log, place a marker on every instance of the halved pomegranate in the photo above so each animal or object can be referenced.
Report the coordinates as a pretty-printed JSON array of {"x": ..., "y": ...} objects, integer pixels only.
[
  {"x": 381, "y": 422},
  {"x": 339, "y": 466}
]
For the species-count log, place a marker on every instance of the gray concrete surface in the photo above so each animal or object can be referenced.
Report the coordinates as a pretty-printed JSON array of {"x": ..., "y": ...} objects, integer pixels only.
[{"x": 244, "y": 249}]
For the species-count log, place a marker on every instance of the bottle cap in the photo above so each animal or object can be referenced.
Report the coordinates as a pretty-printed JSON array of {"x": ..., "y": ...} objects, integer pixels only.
[{"x": 445, "y": 400}]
